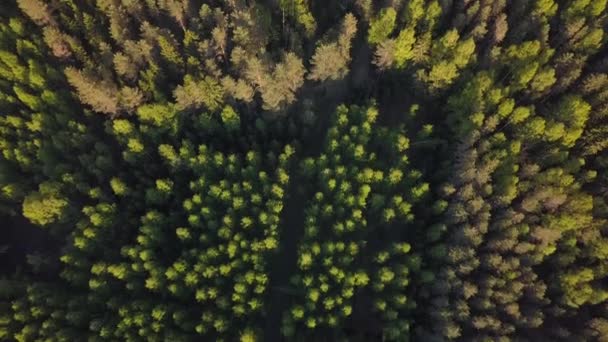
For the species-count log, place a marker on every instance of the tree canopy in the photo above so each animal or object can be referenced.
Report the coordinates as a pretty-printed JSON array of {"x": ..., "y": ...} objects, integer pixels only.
[{"x": 295, "y": 170}]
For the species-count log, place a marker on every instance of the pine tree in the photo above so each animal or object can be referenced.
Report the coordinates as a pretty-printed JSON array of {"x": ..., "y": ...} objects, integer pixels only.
[
  {"x": 100, "y": 95},
  {"x": 38, "y": 11},
  {"x": 45, "y": 206},
  {"x": 331, "y": 60},
  {"x": 382, "y": 26}
]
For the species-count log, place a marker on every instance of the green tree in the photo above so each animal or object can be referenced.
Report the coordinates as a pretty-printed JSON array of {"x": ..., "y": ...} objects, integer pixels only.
[
  {"x": 194, "y": 94},
  {"x": 45, "y": 206},
  {"x": 230, "y": 118},
  {"x": 381, "y": 26},
  {"x": 299, "y": 11}
]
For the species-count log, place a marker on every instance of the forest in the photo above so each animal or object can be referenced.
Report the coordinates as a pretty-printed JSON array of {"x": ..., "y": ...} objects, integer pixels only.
[{"x": 303, "y": 170}]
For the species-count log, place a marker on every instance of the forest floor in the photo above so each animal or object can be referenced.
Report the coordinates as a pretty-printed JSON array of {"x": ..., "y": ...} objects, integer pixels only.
[
  {"x": 285, "y": 261},
  {"x": 18, "y": 239}
]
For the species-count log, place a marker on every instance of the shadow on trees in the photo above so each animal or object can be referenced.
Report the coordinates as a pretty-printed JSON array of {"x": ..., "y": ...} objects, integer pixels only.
[{"x": 21, "y": 238}]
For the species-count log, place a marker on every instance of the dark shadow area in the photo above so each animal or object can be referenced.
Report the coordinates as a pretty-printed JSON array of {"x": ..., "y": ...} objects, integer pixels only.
[{"x": 18, "y": 239}]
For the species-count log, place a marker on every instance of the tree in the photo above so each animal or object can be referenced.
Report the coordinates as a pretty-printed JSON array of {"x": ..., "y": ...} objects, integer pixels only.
[
  {"x": 331, "y": 60},
  {"x": 287, "y": 78},
  {"x": 194, "y": 94},
  {"x": 477, "y": 213},
  {"x": 38, "y": 11},
  {"x": 100, "y": 95},
  {"x": 178, "y": 9},
  {"x": 230, "y": 119},
  {"x": 382, "y": 26},
  {"x": 239, "y": 90},
  {"x": 58, "y": 42},
  {"x": 448, "y": 57},
  {"x": 298, "y": 9},
  {"x": 45, "y": 206},
  {"x": 248, "y": 336},
  {"x": 328, "y": 63},
  {"x": 157, "y": 114},
  {"x": 396, "y": 52}
]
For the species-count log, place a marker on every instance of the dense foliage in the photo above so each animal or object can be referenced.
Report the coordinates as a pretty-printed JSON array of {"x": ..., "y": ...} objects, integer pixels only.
[{"x": 298, "y": 170}]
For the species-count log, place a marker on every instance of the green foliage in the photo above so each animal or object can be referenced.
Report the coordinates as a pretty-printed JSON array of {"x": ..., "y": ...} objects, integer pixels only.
[
  {"x": 300, "y": 12},
  {"x": 45, "y": 206},
  {"x": 382, "y": 25},
  {"x": 404, "y": 44},
  {"x": 157, "y": 115},
  {"x": 228, "y": 195},
  {"x": 194, "y": 94},
  {"x": 448, "y": 56},
  {"x": 230, "y": 119},
  {"x": 336, "y": 225},
  {"x": 119, "y": 187}
]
